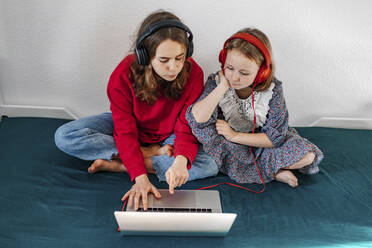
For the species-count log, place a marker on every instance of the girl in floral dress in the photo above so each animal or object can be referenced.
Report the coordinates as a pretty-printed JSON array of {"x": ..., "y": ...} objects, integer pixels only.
[{"x": 243, "y": 107}]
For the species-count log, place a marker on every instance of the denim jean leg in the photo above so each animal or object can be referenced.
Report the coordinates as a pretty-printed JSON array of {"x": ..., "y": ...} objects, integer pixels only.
[
  {"x": 203, "y": 166},
  {"x": 88, "y": 138},
  {"x": 162, "y": 163}
]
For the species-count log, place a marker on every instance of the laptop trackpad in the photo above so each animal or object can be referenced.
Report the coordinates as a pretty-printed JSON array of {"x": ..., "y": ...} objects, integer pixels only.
[{"x": 180, "y": 199}]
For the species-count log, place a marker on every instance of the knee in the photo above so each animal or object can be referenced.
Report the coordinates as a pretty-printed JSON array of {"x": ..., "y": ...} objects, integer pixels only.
[
  {"x": 309, "y": 158},
  {"x": 60, "y": 137},
  {"x": 212, "y": 168}
]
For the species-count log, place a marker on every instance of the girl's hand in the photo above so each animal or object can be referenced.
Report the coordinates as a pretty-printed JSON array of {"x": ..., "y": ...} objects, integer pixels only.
[
  {"x": 140, "y": 190},
  {"x": 224, "y": 129},
  {"x": 223, "y": 81},
  {"x": 177, "y": 174}
]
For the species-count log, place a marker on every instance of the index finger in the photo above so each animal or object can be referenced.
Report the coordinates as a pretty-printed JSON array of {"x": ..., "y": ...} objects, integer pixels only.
[
  {"x": 171, "y": 184},
  {"x": 167, "y": 176}
]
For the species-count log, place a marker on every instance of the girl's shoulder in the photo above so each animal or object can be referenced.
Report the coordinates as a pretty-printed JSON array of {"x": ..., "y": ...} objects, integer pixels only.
[
  {"x": 213, "y": 79},
  {"x": 278, "y": 86},
  {"x": 195, "y": 68},
  {"x": 277, "y": 82},
  {"x": 196, "y": 74},
  {"x": 123, "y": 68},
  {"x": 120, "y": 77},
  {"x": 211, "y": 82}
]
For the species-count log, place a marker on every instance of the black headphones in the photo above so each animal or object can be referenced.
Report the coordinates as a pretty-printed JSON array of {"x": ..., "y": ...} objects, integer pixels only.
[{"x": 140, "y": 50}]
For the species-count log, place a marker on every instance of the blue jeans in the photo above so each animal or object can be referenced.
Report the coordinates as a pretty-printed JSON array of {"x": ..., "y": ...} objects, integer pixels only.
[{"x": 92, "y": 138}]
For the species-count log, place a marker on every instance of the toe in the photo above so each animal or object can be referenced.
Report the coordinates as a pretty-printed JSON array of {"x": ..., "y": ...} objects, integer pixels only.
[{"x": 94, "y": 167}]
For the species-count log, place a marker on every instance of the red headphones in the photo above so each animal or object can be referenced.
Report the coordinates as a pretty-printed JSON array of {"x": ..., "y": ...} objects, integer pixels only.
[{"x": 265, "y": 69}]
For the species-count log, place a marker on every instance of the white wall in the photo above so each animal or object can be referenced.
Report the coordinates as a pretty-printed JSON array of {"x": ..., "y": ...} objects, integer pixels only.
[{"x": 60, "y": 54}]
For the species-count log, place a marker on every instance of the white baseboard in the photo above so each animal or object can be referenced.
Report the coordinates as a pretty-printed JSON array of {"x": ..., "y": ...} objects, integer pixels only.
[
  {"x": 350, "y": 123},
  {"x": 63, "y": 113},
  {"x": 36, "y": 111}
]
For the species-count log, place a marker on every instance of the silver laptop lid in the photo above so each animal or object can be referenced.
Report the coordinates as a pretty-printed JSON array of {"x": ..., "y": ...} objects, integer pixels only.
[
  {"x": 174, "y": 224},
  {"x": 185, "y": 213}
]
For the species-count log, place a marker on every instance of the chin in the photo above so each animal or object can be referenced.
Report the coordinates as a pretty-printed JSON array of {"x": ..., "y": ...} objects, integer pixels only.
[
  {"x": 237, "y": 87},
  {"x": 169, "y": 80}
]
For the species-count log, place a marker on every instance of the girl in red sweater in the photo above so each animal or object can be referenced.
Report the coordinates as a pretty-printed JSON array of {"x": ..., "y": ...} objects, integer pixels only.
[{"x": 146, "y": 131}]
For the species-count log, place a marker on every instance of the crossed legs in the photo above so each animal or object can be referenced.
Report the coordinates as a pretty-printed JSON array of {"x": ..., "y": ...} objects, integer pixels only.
[
  {"x": 116, "y": 165},
  {"x": 286, "y": 176}
]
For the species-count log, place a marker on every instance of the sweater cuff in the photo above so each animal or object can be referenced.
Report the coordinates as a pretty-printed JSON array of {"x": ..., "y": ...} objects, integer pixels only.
[
  {"x": 136, "y": 174},
  {"x": 189, "y": 153}
]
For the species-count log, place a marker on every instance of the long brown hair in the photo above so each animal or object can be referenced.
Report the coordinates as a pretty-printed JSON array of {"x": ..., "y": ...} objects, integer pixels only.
[
  {"x": 253, "y": 53},
  {"x": 146, "y": 83}
]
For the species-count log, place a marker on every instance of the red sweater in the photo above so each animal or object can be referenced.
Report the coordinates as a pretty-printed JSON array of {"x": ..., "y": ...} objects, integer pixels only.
[{"x": 137, "y": 122}]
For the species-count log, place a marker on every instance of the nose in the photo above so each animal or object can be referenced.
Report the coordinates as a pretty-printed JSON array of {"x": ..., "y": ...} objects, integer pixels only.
[
  {"x": 235, "y": 76},
  {"x": 172, "y": 65}
]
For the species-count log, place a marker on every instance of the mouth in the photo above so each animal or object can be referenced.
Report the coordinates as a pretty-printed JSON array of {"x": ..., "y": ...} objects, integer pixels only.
[{"x": 171, "y": 76}]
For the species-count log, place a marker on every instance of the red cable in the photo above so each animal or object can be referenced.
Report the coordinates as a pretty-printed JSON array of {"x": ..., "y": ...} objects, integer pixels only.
[{"x": 122, "y": 209}]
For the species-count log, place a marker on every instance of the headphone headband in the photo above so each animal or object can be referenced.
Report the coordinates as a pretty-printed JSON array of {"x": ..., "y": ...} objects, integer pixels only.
[
  {"x": 265, "y": 68},
  {"x": 141, "y": 52}
]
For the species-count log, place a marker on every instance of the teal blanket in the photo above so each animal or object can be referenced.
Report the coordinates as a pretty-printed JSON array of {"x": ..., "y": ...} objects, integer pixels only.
[{"x": 47, "y": 198}]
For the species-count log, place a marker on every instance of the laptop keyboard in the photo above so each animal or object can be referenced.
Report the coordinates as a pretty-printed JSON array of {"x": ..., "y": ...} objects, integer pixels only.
[{"x": 182, "y": 210}]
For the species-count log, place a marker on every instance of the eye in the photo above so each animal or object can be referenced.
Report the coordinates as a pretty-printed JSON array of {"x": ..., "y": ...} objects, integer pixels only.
[
  {"x": 229, "y": 68},
  {"x": 244, "y": 74},
  {"x": 163, "y": 60}
]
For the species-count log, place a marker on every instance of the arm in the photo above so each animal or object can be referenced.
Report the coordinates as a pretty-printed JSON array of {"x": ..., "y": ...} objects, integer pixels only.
[
  {"x": 126, "y": 139},
  {"x": 177, "y": 174},
  {"x": 273, "y": 131},
  {"x": 276, "y": 125},
  {"x": 125, "y": 127},
  {"x": 185, "y": 144},
  {"x": 248, "y": 139},
  {"x": 203, "y": 110},
  {"x": 206, "y": 133}
]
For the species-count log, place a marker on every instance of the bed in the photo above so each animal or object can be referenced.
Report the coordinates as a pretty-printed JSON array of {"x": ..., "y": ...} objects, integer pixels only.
[{"x": 47, "y": 198}]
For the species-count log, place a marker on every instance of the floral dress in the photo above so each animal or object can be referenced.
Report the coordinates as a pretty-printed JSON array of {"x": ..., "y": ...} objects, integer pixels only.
[{"x": 236, "y": 160}]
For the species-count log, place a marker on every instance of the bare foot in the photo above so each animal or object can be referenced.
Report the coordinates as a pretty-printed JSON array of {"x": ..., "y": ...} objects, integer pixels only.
[
  {"x": 149, "y": 151},
  {"x": 149, "y": 166},
  {"x": 166, "y": 149},
  {"x": 104, "y": 165},
  {"x": 286, "y": 176},
  {"x": 156, "y": 150}
]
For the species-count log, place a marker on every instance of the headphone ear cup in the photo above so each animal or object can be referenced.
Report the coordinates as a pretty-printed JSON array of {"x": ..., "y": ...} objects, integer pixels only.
[
  {"x": 262, "y": 74},
  {"x": 190, "y": 49},
  {"x": 141, "y": 56},
  {"x": 222, "y": 57}
]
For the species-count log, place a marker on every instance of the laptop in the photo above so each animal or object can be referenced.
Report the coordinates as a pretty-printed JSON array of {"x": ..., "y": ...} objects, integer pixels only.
[{"x": 185, "y": 213}]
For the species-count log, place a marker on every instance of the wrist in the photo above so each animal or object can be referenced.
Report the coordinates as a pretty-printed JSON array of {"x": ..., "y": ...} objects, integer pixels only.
[
  {"x": 180, "y": 159},
  {"x": 141, "y": 178},
  {"x": 223, "y": 87},
  {"x": 234, "y": 137}
]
